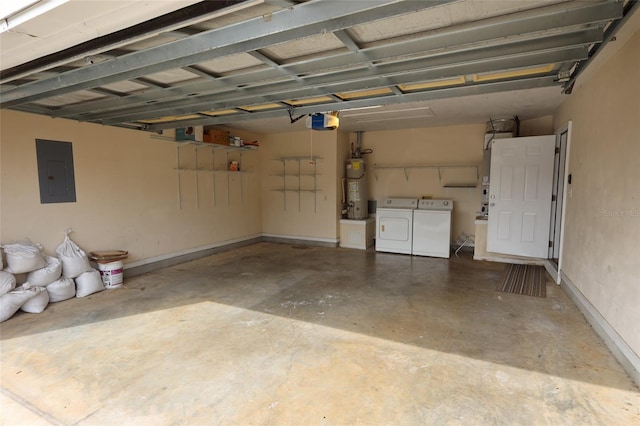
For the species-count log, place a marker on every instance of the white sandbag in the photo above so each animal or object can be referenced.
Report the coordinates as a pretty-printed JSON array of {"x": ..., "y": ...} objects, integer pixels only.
[
  {"x": 62, "y": 289},
  {"x": 89, "y": 283},
  {"x": 37, "y": 303},
  {"x": 23, "y": 257},
  {"x": 74, "y": 259},
  {"x": 45, "y": 276},
  {"x": 7, "y": 282},
  {"x": 12, "y": 301}
]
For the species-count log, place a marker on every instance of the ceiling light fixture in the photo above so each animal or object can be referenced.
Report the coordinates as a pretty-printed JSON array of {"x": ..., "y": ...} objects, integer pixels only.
[{"x": 19, "y": 12}]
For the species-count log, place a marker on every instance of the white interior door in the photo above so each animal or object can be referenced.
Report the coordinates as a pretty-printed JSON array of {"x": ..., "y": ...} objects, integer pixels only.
[{"x": 520, "y": 196}]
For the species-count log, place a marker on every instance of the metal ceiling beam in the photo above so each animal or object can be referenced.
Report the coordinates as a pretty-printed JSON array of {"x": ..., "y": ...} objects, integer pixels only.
[
  {"x": 224, "y": 87},
  {"x": 279, "y": 93},
  {"x": 423, "y": 69},
  {"x": 189, "y": 15},
  {"x": 521, "y": 24},
  {"x": 278, "y": 67},
  {"x": 148, "y": 82},
  {"x": 264, "y": 58},
  {"x": 281, "y": 3},
  {"x": 200, "y": 72},
  {"x": 467, "y": 36},
  {"x": 300, "y": 21},
  {"x": 631, "y": 8},
  {"x": 468, "y": 90},
  {"x": 346, "y": 39},
  {"x": 107, "y": 92}
]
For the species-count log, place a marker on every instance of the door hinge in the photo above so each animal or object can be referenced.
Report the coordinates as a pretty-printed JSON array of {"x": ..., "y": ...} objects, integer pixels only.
[
  {"x": 554, "y": 198},
  {"x": 550, "y": 244},
  {"x": 557, "y": 150}
]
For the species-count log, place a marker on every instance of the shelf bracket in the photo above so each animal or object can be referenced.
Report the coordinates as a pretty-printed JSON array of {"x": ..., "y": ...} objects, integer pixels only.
[{"x": 406, "y": 175}]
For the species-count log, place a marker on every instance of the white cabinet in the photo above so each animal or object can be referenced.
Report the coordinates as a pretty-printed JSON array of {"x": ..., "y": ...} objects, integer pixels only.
[{"x": 357, "y": 234}]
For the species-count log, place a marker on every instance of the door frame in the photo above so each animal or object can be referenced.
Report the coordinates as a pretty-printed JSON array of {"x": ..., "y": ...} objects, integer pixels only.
[{"x": 553, "y": 268}]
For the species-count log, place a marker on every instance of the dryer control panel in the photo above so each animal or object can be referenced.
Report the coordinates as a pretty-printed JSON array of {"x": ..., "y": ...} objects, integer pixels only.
[{"x": 439, "y": 205}]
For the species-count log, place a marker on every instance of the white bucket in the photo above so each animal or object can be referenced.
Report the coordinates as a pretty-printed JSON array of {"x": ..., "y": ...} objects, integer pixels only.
[{"x": 111, "y": 274}]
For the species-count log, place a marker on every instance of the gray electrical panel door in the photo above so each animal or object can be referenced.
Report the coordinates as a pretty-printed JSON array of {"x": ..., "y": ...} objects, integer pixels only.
[{"x": 55, "y": 171}]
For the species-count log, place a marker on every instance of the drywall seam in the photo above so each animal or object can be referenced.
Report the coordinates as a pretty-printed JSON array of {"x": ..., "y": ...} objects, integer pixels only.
[{"x": 629, "y": 360}]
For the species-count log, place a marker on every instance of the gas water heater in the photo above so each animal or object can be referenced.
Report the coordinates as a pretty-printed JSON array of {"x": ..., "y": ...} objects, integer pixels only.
[{"x": 357, "y": 197}]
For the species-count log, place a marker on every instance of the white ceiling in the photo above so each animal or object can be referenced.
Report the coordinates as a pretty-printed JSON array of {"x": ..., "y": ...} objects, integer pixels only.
[
  {"x": 77, "y": 21},
  {"x": 74, "y": 22}
]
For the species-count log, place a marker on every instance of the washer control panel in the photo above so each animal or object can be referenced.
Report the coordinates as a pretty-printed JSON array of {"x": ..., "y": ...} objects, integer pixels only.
[
  {"x": 446, "y": 205},
  {"x": 399, "y": 203}
]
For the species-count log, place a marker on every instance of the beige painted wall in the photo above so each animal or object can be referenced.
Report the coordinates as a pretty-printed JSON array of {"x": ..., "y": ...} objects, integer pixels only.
[
  {"x": 537, "y": 126},
  {"x": 602, "y": 230},
  {"x": 127, "y": 191},
  {"x": 306, "y": 215},
  {"x": 434, "y": 145}
]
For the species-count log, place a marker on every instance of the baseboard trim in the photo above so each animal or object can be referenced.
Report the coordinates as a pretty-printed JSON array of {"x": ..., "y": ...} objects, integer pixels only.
[
  {"x": 293, "y": 239},
  {"x": 629, "y": 360},
  {"x": 170, "y": 259},
  {"x": 501, "y": 259},
  {"x": 552, "y": 270},
  {"x": 140, "y": 267}
]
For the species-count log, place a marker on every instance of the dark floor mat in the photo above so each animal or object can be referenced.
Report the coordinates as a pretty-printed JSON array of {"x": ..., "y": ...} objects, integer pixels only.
[{"x": 528, "y": 280}]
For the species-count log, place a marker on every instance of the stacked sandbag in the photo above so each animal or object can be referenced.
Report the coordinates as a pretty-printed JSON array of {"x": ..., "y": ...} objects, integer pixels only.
[
  {"x": 23, "y": 257},
  {"x": 74, "y": 259},
  {"x": 38, "y": 302},
  {"x": 89, "y": 283},
  {"x": 32, "y": 280},
  {"x": 7, "y": 282},
  {"x": 44, "y": 276},
  {"x": 61, "y": 289},
  {"x": 13, "y": 300}
]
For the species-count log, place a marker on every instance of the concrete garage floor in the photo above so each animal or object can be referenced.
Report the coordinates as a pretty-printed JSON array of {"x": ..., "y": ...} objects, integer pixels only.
[{"x": 296, "y": 335}]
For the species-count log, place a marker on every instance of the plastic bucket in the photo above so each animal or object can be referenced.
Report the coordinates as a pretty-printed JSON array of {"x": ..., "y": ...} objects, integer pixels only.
[{"x": 111, "y": 274}]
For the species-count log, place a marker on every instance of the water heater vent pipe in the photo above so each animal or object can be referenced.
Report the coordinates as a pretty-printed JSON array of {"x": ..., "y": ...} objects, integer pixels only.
[{"x": 358, "y": 151}]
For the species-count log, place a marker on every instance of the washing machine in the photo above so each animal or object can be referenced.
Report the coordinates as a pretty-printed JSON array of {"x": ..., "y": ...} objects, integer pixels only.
[
  {"x": 394, "y": 225},
  {"x": 432, "y": 228}
]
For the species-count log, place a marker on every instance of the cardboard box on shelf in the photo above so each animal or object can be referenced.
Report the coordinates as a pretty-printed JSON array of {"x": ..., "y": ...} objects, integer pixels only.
[{"x": 216, "y": 136}]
